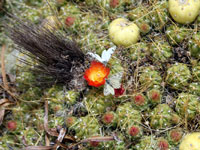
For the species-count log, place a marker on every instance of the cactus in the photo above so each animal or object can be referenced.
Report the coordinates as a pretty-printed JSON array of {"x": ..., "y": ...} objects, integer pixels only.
[
  {"x": 109, "y": 119},
  {"x": 11, "y": 125},
  {"x": 138, "y": 51},
  {"x": 140, "y": 101},
  {"x": 184, "y": 11},
  {"x": 174, "y": 136},
  {"x": 154, "y": 96},
  {"x": 24, "y": 80},
  {"x": 86, "y": 127},
  {"x": 9, "y": 140},
  {"x": 33, "y": 93},
  {"x": 46, "y": 10},
  {"x": 37, "y": 121},
  {"x": 134, "y": 131},
  {"x": 116, "y": 145},
  {"x": 31, "y": 136},
  {"x": 178, "y": 76},
  {"x": 58, "y": 96},
  {"x": 141, "y": 18},
  {"x": 187, "y": 105},
  {"x": 196, "y": 72},
  {"x": 176, "y": 35},
  {"x": 161, "y": 50},
  {"x": 194, "y": 45},
  {"x": 92, "y": 41},
  {"x": 162, "y": 116},
  {"x": 97, "y": 103},
  {"x": 162, "y": 144},
  {"x": 159, "y": 15},
  {"x": 113, "y": 6},
  {"x": 115, "y": 64},
  {"x": 55, "y": 121},
  {"x": 31, "y": 13},
  {"x": 87, "y": 23},
  {"x": 150, "y": 78},
  {"x": 70, "y": 16},
  {"x": 129, "y": 120},
  {"x": 147, "y": 142},
  {"x": 126, "y": 114},
  {"x": 71, "y": 121},
  {"x": 194, "y": 88}
]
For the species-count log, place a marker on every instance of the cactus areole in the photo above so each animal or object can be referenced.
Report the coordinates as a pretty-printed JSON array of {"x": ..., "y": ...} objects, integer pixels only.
[{"x": 184, "y": 11}]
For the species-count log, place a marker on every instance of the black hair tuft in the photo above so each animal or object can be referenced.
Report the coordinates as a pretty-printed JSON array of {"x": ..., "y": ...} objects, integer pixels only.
[{"x": 59, "y": 59}]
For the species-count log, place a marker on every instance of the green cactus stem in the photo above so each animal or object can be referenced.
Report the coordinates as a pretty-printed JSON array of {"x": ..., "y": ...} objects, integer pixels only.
[{"x": 178, "y": 76}]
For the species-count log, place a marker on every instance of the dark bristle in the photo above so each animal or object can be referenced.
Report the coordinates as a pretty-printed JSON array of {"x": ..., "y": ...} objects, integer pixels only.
[{"x": 57, "y": 57}]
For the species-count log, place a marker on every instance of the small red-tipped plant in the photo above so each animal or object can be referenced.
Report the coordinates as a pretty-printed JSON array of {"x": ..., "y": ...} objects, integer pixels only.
[
  {"x": 70, "y": 121},
  {"x": 144, "y": 28},
  {"x": 57, "y": 108},
  {"x": 163, "y": 145},
  {"x": 175, "y": 135},
  {"x": 120, "y": 91},
  {"x": 11, "y": 125},
  {"x": 155, "y": 96},
  {"x": 139, "y": 99},
  {"x": 114, "y": 3},
  {"x": 134, "y": 131},
  {"x": 69, "y": 21},
  {"x": 107, "y": 118}
]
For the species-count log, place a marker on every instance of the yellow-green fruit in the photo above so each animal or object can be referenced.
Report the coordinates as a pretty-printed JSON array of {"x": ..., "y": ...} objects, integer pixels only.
[
  {"x": 191, "y": 142},
  {"x": 123, "y": 33},
  {"x": 184, "y": 11}
]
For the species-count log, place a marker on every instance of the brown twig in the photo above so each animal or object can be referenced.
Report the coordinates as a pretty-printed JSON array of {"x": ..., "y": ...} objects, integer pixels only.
[
  {"x": 94, "y": 139},
  {"x": 2, "y": 112},
  {"x": 47, "y": 142},
  {"x": 9, "y": 92},
  {"x": 60, "y": 138},
  {"x": 3, "y": 70},
  {"x": 3, "y": 103}
]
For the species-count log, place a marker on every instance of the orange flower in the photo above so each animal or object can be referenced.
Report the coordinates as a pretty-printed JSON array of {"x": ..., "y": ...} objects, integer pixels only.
[{"x": 96, "y": 74}]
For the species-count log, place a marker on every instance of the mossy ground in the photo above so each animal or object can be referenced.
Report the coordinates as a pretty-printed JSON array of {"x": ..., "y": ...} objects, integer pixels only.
[{"x": 161, "y": 61}]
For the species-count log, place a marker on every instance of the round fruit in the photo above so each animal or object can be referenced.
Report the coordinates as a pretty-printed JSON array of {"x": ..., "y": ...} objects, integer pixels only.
[
  {"x": 184, "y": 11},
  {"x": 191, "y": 142},
  {"x": 123, "y": 33}
]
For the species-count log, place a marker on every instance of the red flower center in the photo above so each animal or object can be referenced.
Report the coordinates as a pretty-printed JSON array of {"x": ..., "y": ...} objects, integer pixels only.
[
  {"x": 114, "y": 3},
  {"x": 175, "y": 135},
  {"x": 108, "y": 118},
  {"x": 70, "y": 121},
  {"x": 163, "y": 145},
  {"x": 155, "y": 96},
  {"x": 11, "y": 125},
  {"x": 96, "y": 74},
  {"x": 69, "y": 21},
  {"x": 139, "y": 99},
  {"x": 134, "y": 131}
]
